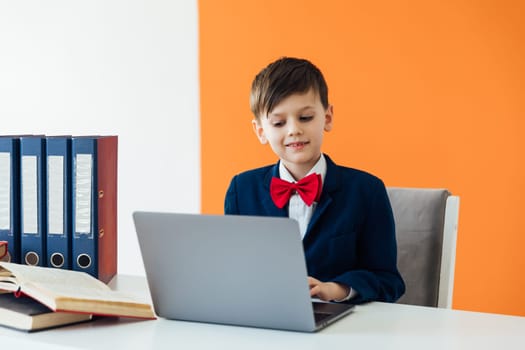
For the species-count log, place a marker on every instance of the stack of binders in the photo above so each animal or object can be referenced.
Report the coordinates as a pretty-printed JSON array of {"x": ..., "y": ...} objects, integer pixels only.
[{"x": 58, "y": 202}]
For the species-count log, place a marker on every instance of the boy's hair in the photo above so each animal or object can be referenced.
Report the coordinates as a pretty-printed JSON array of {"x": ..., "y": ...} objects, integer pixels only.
[{"x": 282, "y": 78}]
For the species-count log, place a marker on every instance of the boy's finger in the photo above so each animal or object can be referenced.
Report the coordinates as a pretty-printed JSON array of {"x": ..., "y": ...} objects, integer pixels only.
[
  {"x": 315, "y": 290},
  {"x": 312, "y": 281}
]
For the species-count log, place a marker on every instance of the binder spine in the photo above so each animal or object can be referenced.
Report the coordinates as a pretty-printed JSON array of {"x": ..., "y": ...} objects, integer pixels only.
[
  {"x": 33, "y": 204},
  {"x": 107, "y": 154},
  {"x": 58, "y": 151},
  {"x": 84, "y": 205},
  {"x": 10, "y": 197}
]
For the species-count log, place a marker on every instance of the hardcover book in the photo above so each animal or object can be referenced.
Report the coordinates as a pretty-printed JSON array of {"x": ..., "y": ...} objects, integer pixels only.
[
  {"x": 24, "y": 313},
  {"x": 71, "y": 291}
]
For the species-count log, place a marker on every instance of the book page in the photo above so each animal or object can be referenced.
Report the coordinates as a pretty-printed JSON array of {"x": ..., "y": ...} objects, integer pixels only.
[
  {"x": 71, "y": 291},
  {"x": 53, "y": 277},
  {"x": 8, "y": 283},
  {"x": 101, "y": 302}
]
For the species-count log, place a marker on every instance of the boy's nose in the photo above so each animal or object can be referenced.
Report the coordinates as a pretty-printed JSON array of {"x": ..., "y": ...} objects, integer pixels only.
[{"x": 294, "y": 128}]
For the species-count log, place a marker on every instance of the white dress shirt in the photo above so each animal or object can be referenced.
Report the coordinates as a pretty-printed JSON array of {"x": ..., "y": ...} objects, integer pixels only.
[{"x": 297, "y": 208}]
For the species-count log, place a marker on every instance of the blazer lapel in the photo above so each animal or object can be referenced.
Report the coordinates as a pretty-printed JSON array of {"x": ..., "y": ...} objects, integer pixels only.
[
  {"x": 331, "y": 184},
  {"x": 267, "y": 201}
]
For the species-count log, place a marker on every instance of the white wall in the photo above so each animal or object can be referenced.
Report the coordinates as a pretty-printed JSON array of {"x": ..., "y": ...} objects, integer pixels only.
[{"x": 125, "y": 67}]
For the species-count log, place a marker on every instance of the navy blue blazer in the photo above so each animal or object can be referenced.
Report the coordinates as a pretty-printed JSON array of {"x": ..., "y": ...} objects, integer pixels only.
[{"x": 351, "y": 236}]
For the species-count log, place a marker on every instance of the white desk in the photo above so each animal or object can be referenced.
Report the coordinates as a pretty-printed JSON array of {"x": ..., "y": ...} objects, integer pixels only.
[{"x": 370, "y": 326}]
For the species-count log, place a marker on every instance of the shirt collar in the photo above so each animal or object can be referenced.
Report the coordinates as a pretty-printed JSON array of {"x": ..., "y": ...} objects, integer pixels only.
[{"x": 318, "y": 168}]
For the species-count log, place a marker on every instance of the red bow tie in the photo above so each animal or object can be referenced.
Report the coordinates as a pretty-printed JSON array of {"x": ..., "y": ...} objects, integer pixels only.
[{"x": 309, "y": 188}]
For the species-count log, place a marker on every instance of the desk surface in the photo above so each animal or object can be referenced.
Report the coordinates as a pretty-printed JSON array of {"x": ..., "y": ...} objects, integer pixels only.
[{"x": 370, "y": 326}]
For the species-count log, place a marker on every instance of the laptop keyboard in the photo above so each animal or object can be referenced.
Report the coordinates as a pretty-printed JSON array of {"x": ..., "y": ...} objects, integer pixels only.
[
  {"x": 324, "y": 312},
  {"x": 320, "y": 316}
]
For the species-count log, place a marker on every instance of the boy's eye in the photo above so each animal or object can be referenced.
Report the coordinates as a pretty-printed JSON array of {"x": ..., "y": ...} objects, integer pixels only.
[
  {"x": 305, "y": 118},
  {"x": 277, "y": 123}
]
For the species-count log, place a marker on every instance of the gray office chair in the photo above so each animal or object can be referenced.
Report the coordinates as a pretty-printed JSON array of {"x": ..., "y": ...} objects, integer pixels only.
[{"x": 426, "y": 230}]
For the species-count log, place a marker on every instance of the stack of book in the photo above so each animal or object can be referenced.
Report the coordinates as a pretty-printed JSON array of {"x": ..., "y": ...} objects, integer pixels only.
[
  {"x": 58, "y": 202},
  {"x": 35, "y": 298}
]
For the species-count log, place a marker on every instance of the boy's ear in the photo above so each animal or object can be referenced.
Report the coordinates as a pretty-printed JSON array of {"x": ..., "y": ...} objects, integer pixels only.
[
  {"x": 259, "y": 131},
  {"x": 328, "y": 118}
]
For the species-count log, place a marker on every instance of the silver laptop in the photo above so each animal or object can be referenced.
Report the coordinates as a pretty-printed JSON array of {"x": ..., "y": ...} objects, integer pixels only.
[{"x": 237, "y": 270}]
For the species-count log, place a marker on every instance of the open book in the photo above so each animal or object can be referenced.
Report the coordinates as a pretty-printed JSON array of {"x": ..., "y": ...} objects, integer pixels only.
[{"x": 72, "y": 291}]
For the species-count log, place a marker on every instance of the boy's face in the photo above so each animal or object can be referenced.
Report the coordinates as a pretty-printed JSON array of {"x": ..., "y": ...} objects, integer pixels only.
[{"x": 294, "y": 129}]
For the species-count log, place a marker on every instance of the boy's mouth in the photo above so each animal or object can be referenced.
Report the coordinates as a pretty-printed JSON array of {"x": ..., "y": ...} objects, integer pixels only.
[{"x": 296, "y": 145}]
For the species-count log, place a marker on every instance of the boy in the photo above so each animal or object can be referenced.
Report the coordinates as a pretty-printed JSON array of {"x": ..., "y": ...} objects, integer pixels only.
[{"x": 344, "y": 214}]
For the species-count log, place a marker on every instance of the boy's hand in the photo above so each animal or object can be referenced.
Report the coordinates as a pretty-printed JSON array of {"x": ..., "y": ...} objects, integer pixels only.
[{"x": 327, "y": 291}]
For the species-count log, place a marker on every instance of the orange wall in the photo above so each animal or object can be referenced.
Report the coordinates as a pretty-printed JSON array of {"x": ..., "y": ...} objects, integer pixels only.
[{"x": 425, "y": 94}]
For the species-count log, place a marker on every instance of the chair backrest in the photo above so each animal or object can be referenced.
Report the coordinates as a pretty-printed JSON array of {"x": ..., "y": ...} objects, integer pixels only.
[{"x": 426, "y": 230}]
